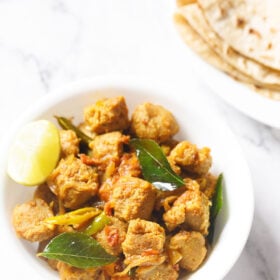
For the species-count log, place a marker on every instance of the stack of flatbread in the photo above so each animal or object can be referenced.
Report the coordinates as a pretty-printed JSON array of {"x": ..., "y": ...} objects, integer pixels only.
[{"x": 239, "y": 37}]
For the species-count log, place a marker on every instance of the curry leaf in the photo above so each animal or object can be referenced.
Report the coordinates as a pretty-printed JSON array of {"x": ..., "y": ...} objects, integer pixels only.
[
  {"x": 77, "y": 249},
  {"x": 217, "y": 204},
  {"x": 155, "y": 166}
]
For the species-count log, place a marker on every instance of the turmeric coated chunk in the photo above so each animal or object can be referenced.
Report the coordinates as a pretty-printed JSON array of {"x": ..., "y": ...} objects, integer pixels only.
[
  {"x": 108, "y": 147},
  {"x": 208, "y": 184},
  {"x": 69, "y": 142},
  {"x": 156, "y": 272},
  {"x": 143, "y": 238},
  {"x": 133, "y": 198},
  {"x": 112, "y": 236},
  {"x": 28, "y": 220},
  {"x": 189, "y": 158},
  {"x": 129, "y": 165},
  {"x": 67, "y": 272},
  {"x": 73, "y": 182},
  {"x": 153, "y": 122},
  {"x": 191, "y": 247},
  {"x": 190, "y": 211},
  {"x": 106, "y": 115}
]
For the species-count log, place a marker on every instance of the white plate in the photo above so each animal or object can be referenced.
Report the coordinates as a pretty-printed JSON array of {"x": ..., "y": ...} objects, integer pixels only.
[
  {"x": 18, "y": 258},
  {"x": 249, "y": 102}
]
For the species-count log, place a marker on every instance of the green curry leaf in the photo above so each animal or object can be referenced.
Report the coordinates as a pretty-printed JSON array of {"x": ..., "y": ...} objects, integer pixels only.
[
  {"x": 217, "y": 204},
  {"x": 78, "y": 250},
  {"x": 155, "y": 166}
]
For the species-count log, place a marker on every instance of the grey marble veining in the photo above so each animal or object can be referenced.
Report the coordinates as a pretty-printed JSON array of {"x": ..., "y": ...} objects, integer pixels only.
[{"x": 45, "y": 44}]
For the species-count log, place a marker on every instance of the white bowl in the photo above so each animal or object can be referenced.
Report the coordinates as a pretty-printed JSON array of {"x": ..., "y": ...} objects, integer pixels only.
[{"x": 198, "y": 124}]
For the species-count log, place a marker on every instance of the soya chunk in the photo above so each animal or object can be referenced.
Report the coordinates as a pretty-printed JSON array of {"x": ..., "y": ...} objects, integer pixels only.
[
  {"x": 133, "y": 198},
  {"x": 67, "y": 272},
  {"x": 129, "y": 165},
  {"x": 112, "y": 236},
  {"x": 28, "y": 220},
  {"x": 190, "y": 211},
  {"x": 73, "y": 182},
  {"x": 106, "y": 115},
  {"x": 189, "y": 158},
  {"x": 69, "y": 142},
  {"x": 108, "y": 147},
  {"x": 208, "y": 184},
  {"x": 143, "y": 237},
  {"x": 191, "y": 246},
  {"x": 153, "y": 122},
  {"x": 156, "y": 272}
]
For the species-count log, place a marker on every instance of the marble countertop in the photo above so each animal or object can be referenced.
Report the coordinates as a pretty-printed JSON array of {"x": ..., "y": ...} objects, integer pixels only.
[{"x": 45, "y": 44}]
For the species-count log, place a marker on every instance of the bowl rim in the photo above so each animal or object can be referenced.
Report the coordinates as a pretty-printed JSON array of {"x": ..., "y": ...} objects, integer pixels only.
[{"x": 144, "y": 84}]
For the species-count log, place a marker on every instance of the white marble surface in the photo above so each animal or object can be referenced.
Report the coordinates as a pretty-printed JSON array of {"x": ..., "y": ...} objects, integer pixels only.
[{"x": 45, "y": 44}]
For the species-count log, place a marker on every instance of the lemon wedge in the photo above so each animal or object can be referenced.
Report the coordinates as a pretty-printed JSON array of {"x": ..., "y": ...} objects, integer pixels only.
[{"x": 34, "y": 153}]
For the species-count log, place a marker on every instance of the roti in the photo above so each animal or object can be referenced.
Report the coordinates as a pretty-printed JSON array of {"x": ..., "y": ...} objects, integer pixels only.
[
  {"x": 264, "y": 76},
  {"x": 251, "y": 27},
  {"x": 198, "y": 45}
]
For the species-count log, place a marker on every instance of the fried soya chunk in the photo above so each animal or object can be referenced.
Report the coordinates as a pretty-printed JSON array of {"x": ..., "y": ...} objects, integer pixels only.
[
  {"x": 208, "y": 184},
  {"x": 28, "y": 220},
  {"x": 106, "y": 115},
  {"x": 191, "y": 246},
  {"x": 165, "y": 199},
  {"x": 73, "y": 182},
  {"x": 129, "y": 165},
  {"x": 69, "y": 142},
  {"x": 156, "y": 272},
  {"x": 112, "y": 236},
  {"x": 143, "y": 238},
  {"x": 108, "y": 147},
  {"x": 67, "y": 272},
  {"x": 153, "y": 122},
  {"x": 106, "y": 189},
  {"x": 190, "y": 211},
  {"x": 191, "y": 159},
  {"x": 168, "y": 146},
  {"x": 132, "y": 198}
]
